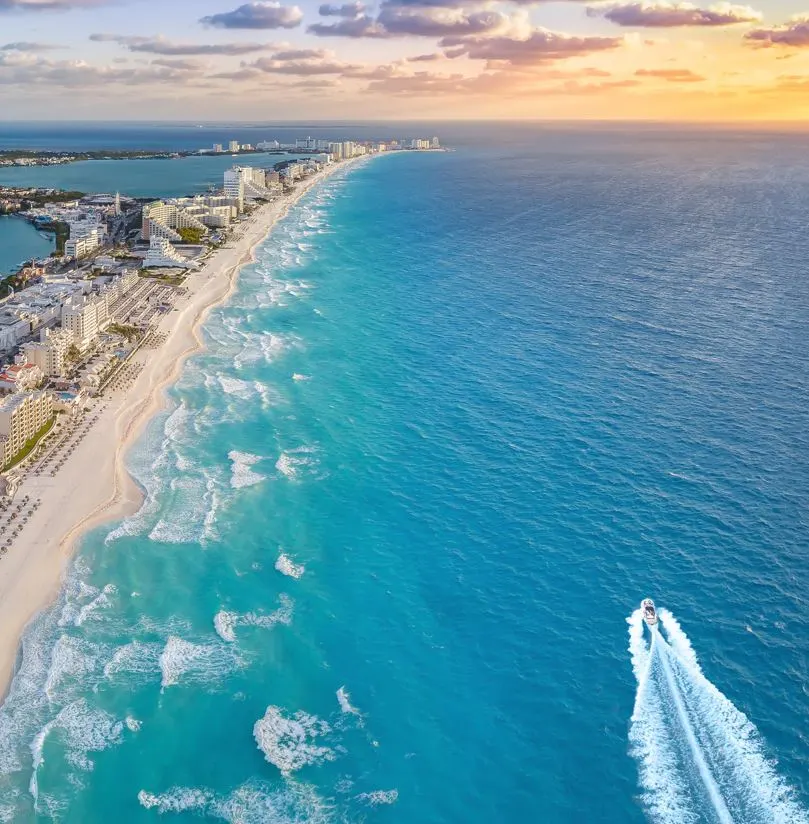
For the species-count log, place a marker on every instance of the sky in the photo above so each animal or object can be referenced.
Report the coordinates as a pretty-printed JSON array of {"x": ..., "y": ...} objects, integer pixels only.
[{"x": 404, "y": 59}]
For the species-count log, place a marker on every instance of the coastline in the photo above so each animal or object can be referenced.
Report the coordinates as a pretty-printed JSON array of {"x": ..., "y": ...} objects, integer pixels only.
[{"x": 31, "y": 572}]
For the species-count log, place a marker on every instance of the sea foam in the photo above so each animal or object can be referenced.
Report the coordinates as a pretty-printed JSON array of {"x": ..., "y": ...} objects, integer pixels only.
[
  {"x": 286, "y": 566},
  {"x": 289, "y": 741},
  {"x": 225, "y": 622},
  {"x": 242, "y": 474}
]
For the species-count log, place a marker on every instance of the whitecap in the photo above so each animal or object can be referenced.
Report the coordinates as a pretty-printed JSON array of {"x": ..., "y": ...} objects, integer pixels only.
[
  {"x": 344, "y": 700},
  {"x": 188, "y": 661},
  {"x": 289, "y": 741},
  {"x": 286, "y": 566},
  {"x": 377, "y": 797},
  {"x": 225, "y": 622},
  {"x": 242, "y": 474}
]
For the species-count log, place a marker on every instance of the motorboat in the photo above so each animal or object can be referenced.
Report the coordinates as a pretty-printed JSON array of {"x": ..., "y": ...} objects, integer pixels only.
[{"x": 647, "y": 608}]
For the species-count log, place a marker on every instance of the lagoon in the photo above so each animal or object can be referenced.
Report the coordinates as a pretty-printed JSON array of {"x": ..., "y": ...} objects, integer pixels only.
[
  {"x": 19, "y": 241},
  {"x": 159, "y": 177}
]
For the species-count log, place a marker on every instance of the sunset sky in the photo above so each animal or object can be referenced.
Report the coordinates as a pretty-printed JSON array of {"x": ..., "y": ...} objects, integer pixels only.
[{"x": 214, "y": 60}]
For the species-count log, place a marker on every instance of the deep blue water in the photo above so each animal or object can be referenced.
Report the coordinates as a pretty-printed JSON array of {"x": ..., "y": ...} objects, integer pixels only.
[{"x": 488, "y": 400}]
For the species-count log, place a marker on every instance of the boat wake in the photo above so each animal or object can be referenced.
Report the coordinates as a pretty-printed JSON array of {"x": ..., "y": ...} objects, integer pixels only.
[{"x": 700, "y": 758}]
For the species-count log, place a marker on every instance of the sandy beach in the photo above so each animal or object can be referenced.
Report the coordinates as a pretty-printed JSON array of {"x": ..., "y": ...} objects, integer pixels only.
[{"x": 93, "y": 485}]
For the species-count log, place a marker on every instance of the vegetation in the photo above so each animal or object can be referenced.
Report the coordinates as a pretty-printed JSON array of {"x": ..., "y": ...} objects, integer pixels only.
[
  {"x": 40, "y": 198},
  {"x": 73, "y": 354},
  {"x": 129, "y": 332},
  {"x": 30, "y": 444},
  {"x": 190, "y": 235}
]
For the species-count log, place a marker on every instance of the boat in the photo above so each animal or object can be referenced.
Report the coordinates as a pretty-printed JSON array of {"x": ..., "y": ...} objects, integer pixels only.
[{"x": 647, "y": 608}]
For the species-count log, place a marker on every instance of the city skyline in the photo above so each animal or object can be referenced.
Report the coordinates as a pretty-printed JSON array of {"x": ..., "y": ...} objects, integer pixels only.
[{"x": 91, "y": 59}]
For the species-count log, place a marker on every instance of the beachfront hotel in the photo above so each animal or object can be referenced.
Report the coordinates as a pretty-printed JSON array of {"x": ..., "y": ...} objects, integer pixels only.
[
  {"x": 49, "y": 354},
  {"x": 22, "y": 415},
  {"x": 162, "y": 254},
  {"x": 84, "y": 317}
]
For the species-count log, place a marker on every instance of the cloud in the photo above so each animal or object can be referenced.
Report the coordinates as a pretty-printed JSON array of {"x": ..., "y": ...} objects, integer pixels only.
[
  {"x": 541, "y": 46},
  {"x": 425, "y": 58},
  {"x": 320, "y": 62},
  {"x": 266, "y": 15},
  {"x": 401, "y": 21},
  {"x": 501, "y": 84},
  {"x": 439, "y": 22},
  {"x": 18, "y": 69},
  {"x": 159, "y": 45},
  {"x": 346, "y": 10},
  {"x": 183, "y": 64},
  {"x": 362, "y": 26},
  {"x": 300, "y": 54},
  {"x": 672, "y": 15},
  {"x": 795, "y": 33},
  {"x": 44, "y": 5},
  {"x": 671, "y": 75},
  {"x": 25, "y": 46}
]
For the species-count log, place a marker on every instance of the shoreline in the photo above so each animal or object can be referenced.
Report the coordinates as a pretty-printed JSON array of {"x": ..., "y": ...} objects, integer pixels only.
[{"x": 31, "y": 573}]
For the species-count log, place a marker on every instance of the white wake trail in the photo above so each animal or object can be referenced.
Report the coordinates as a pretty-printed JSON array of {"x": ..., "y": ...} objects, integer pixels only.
[
  {"x": 700, "y": 758},
  {"x": 722, "y": 813}
]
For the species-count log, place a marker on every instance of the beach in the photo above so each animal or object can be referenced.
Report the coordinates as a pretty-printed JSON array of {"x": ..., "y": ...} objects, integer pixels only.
[{"x": 93, "y": 485}]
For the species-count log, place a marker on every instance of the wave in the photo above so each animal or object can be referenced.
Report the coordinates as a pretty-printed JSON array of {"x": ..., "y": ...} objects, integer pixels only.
[
  {"x": 254, "y": 802},
  {"x": 225, "y": 622},
  {"x": 289, "y": 741},
  {"x": 698, "y": 754},
  {"x": 187, "y": 661},
  {"x": 134, "y": 658},
  {"x": 82, "y": 729},
  {"x": 292, "y": 463},
  {"x": 286, "y": 566},
  {"x": 76, "y": 613},
  {"x": 70, "y": 658},
  {"x": 344, "y": 700},
  {"x": 377, "y": 797},
  {"x": 242, "y": 474}
]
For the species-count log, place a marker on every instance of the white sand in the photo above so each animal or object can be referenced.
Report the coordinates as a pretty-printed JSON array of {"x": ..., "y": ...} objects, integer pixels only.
[{"x": 93, "y": 485}]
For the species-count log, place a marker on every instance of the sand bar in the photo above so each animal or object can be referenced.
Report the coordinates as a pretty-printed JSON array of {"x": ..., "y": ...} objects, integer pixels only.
[{"x": 93, "y": 485}]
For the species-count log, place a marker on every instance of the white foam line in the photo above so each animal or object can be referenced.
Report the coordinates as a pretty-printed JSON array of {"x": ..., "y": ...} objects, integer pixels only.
[{"x": 721, "y": 810}]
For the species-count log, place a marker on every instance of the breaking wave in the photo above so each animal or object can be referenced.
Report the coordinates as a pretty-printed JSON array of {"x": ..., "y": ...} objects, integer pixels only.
[
  {"x": 225, "y": 622},
  {"x": 185, "y": 661},
  {"x": 254, "y": 802},
  {"x": 242, "y": 474},
  {"x": 286, "y": 566},
  {"x": 289, "y": 742}
]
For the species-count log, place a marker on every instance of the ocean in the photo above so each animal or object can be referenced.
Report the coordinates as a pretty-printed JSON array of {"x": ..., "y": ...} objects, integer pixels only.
[{"x": 462, "y": 414}]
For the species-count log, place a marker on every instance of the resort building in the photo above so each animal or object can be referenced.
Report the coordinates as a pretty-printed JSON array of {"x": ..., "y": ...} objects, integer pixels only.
[
  {"x": 162, "y": 254},
  {"x": 76, "y": 247},
  {"x": 162, "y": 219},
  {"x": 234, "y": 187},
  {"x": 21, "y": 377},
  {"x": 233, "y": 146},
  {"x": 50, "y": 353},
  {"x": 22, "y": 415},
  {"x": 85, "y": 317}
]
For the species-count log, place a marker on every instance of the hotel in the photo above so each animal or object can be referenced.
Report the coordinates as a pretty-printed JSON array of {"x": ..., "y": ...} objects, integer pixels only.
[{"x": 22, "y": 415}]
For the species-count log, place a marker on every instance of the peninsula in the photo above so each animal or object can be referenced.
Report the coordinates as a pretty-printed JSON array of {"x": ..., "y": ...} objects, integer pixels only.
[{"x": 124, "y": 337}]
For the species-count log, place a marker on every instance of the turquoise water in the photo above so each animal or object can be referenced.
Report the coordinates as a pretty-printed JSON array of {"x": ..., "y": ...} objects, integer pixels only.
[
  {"x": 463, "y": 413},
  {"x": 19, "y": 241}
]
